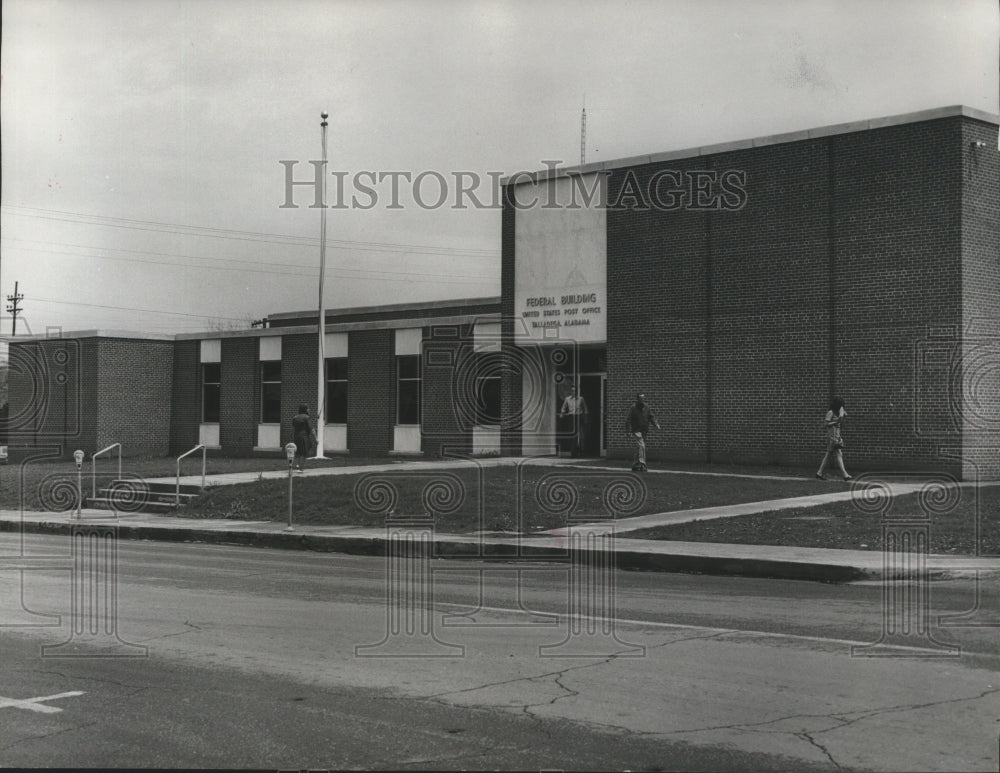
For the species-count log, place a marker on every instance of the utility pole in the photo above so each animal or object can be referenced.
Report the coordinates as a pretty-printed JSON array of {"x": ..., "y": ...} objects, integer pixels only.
[{"x": 14, "y": 309}]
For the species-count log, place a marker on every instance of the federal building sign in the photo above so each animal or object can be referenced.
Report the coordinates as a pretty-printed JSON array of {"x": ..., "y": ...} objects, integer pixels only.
[{"x": 560, "y": 260}]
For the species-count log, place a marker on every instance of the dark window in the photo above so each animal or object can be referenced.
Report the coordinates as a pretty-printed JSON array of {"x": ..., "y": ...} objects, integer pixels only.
[
  {"x": 408, "y": 389},
  {"x": 270, "y": 392},
  {"x": 336, "y": 390},
  {"x": 488, "y": 388},
  {"x": 211, "y": 391}
]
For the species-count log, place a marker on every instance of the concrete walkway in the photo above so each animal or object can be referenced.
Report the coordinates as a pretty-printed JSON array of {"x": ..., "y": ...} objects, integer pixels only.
[
  {"x": 635, "y": 523},
  {"x": 658, "y": 555},
  {"x": 234, "y": 478}
]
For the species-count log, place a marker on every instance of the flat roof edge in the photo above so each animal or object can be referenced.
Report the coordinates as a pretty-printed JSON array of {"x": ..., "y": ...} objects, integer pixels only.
[
  {"x": 391, "y": 307},
  {"x": 830, "y": 130},
  {"x": 344, "y": 327},
  {"x": 130, "y": 334}
]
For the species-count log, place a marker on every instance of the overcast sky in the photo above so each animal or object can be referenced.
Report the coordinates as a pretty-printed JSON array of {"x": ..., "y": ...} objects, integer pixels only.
[{"x": 142, "y": 139}]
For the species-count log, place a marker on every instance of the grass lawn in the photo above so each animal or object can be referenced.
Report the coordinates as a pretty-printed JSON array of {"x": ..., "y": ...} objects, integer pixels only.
[
  {"x": 489, "y": 502},
  {"x": 51, "y": 485},
  {"x": 842, "y": 525}
]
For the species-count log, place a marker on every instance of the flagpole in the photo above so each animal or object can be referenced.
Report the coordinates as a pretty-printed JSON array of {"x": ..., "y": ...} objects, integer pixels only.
[{"x": 321, "y": 320}]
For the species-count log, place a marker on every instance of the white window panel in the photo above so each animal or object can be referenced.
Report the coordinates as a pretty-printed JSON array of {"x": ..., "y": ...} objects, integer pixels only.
[
  {"x": 408, "y": 340},
  {"x": 270, "y": 348},
  {"x": 211, "y": 350}
]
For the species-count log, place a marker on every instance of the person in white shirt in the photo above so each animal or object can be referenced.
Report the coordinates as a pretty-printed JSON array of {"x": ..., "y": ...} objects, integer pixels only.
[{"x": 576, "y": 407}]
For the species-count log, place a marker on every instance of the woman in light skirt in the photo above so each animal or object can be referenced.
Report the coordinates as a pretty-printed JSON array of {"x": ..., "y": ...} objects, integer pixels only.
[{"x": 834, "y": 439}]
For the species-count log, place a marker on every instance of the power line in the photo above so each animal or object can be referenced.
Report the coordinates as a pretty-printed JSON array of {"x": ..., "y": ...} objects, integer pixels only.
[
  {"x": 251, "y": 236},
  {"x": 435, "y": 278},
  {"x": 129, "y": 308}
]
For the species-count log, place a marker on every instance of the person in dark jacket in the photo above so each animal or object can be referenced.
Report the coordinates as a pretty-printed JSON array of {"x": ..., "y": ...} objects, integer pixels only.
[
  {"x": 304, "y": 434},
  {"x": 636, "y": 426}
]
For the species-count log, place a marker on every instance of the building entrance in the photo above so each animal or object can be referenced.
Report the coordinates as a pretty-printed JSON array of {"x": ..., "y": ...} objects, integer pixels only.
[
  {"x": 593, "y": 390},
  {"x": 589, "y": 377}
]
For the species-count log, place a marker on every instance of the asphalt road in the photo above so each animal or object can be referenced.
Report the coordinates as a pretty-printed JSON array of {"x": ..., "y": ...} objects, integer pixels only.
[{"x": 243, "y": 657}]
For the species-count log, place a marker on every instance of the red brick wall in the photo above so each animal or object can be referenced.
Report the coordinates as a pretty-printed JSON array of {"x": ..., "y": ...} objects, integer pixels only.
[
  {"x": 981, "y": 298},
  {"x": 186, "y": 397},
  {"x": 371, "y": 411},
  {"x": 511, "y": 381},
  {"x": 135, "y": 384},
  {"x": 769, "y": 307},
  {"x": 658, "y": 323},
  {"x": 50, "y": 389},
  {"x": 90, "y": 393},
  {"x": 442, "y": 428},
  {"x": 299, "y": 358},
  {"x": 898, "y": 258},
  {"x": 239, "y": 410},
  {"x": 371, "y": 406},
  {"x": 740, "y": 325}
]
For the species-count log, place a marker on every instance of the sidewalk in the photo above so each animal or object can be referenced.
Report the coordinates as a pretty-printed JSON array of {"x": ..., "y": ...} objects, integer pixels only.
[
  {"x": 232, "y": 478},
  {"x": 652, "y": 555}
]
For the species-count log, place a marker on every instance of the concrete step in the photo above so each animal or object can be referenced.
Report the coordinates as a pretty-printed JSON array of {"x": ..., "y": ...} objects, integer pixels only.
[
  {"x": 132, "y": 494},
  {"x": 153, "y": 487},
  {"x": 120, "y": 506},
  {"x": 169, "y": 487}
]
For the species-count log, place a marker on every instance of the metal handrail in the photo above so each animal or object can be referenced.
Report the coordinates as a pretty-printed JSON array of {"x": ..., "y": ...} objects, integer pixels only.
[
  {"x": 93, "y": 467},
  {"x": 177, "y": 492}
]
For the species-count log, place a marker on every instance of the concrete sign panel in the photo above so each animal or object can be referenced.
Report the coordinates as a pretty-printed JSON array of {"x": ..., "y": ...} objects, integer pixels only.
[{"x": 560, "y": 254}]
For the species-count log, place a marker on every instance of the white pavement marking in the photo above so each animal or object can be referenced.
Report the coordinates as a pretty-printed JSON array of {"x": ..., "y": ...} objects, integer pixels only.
[
  {"x": 710, "y": 630},
  {"x": 37, "y": 704}
]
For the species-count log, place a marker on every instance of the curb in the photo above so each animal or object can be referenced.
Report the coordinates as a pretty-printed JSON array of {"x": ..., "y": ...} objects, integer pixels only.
[{"x": 444, "y": 548}]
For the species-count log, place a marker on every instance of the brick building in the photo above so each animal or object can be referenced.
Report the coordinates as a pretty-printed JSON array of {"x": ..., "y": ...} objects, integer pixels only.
[
  {"x": 739, "y": 286},
  {"x": 236, "y": 391}
]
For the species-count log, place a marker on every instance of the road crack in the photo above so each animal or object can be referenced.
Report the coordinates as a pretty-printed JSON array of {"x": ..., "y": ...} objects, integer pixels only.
[
  {"x": 842, "y": 718},
  {"x": 191, "y": 627},
  {"x": 76, "y": 677},
  {"x": 818, "y": 745},
  {"x": 527, "y": 709},
  {"x": 49, "y": 735}
]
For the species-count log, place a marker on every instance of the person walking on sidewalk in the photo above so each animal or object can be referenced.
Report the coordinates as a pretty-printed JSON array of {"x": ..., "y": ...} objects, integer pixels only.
[
  {"x": 834, "y": 439},
  {"x": 304, "y": 436},
  {"x": 636, "y": 426},
  {"x": 575, "y": 407}
]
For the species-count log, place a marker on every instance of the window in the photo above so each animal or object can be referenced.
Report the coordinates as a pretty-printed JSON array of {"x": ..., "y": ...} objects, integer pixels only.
[
  {"x": 488, "y": 388},
  {"x": 211, "y": 390},
  {"x": 336, "y": 390},
  {"x": 270, "y": 392},
  {"x": 408, "y": 389}
]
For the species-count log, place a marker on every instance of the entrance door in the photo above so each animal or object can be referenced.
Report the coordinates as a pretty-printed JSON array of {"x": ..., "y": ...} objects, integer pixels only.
[{"x": 592, "y": 390}]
